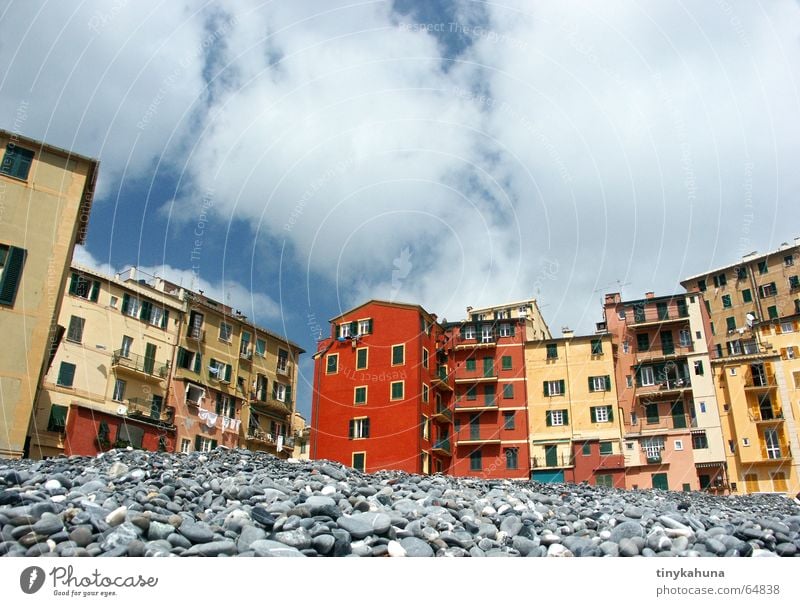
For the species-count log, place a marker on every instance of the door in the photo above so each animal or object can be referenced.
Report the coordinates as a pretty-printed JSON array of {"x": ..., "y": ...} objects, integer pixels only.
[
  {"x": 773, "y": 444},
  {"x": 488, "y": 367},
  {"x": 667, "y": 344},
  {"x": 156, "y": 405},
  {"x": 660, "y": 481},
  {"x": 551, "y": 456},
  {"x": 555, "y": 476},
  {"x": 475, "y": 427},
  {"x": 751, "y": 482},
  {"x": 149, "y": 358},
  {"x": 125, "y": 350},
  {"x": 779, "y": 482}
]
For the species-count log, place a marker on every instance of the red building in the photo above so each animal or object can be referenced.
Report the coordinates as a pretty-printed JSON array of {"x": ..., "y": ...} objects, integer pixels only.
[
  {"x": 382, "y": 391},
  {"x": 487, "y": 356}
]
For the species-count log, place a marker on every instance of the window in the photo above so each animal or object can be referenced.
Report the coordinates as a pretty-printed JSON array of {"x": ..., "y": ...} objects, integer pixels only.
[
  {"x": 685, "y": 338},
  {"x": 125, "y": 349},
  {"x": 244, "y": 345},
  {"x": 119, "y": 390},
  {"x": 365, "y": 327},
  {"x": 651, "y": 413},
  {"x": 186, "y": 444},
  {"x": 468, "y": 332},
  {"x": 225, "y": 332},
  {"x": 556, "y": 418},
  {"x": 508, "y": 391},
  {"x": 203, "y": 444},
  {"x": 786, "y": 327},
  {"x": 475, "y": 462},
  {"x": 426, "y": 393},
  {"x": 398, "y": 354},
  {"x": 189, "y": 360},
  {"x": 506, "y": 330},
  {"x": 586, "y": 449},
  {"x": 361, "y": 358},
  {"x": 219, "y": 371},
  {"x": 626, "y": 346},
  {"x": 702, "y": 406},
  {"x": 621, "y": 314},
  {"x": 794, "y": 282},
  {"x": 720, "y": 280},
  {"x": 552, "y": 351},
  {"x": 509, "y": 417},
  {"x": 58, "y": 418},
  {"x": 554, "y": 388},
  {"x": 512, "y": 458},
  {"x": 470, "y": 365},
  {"x": 332, "y": 365},
  {"x": 343, "y": 330},
  {"x": 225, "y": 406},
  {"x": 486, "y": 334},
  {"x": 360, "y": 461},
  {"x": 11, "y": 262},
  {"x": 472, "y": 393},
  {"x": 767, "y": 290},
  {"x": 726, "y": 301},
  {"x": 82, "y": 287},
  {"x": 747, "y": 296},
  {"x": 397, "y": 390},
  {"x": 75, "y": 330},
  {"x": 698, "y": 367},
  {"x": 762, "y": 267},
  {"x": 425, "y": 428},
  {"x": 678, "y": 444},
  {"x": 16, "y": 162},
  {"x": 772, "y": 312},
  {"x": 629, "y": 380},
  {"x": 606, "y": 448},
  {"x": 662, "y": 311},
  {"x": 601, "y": 414},
  {"x": 646, "y": 376},
  {"x": 600, "y": 383},
  {"x": 639, "y": 313},
  {"x": 642, "y": 342},
  {"x": 699, "y": 440},
  {"x": 506, "y": 362},
  {"x": 424, "y": 358},
  {"x": 261, "y": 347},
  {"x": 683, "y": 311},
  {"x": 359, "y": 428},
  {"x": 652, "y": 447},
  {"x": 282, "y": 392},
  {"x": 730, "y": 323},
  {"x": 788, "y": 261},
  {"x": 66, "y": 374},
  {"x": 634, "y": 418},
  {"x": 597, "y": 347},
  {"x": 488, "y": 395},
  {"x": 701, "y": 285},
  {"x": 605, "y": 480}
]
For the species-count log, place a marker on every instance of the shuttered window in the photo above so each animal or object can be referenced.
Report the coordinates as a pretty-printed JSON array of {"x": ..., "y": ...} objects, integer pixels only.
[
  {"x": 16, "y": 162},
  {"x": 11, "y": 261}
]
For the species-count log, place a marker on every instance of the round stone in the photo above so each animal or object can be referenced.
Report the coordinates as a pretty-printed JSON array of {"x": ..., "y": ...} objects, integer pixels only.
[
  {"x": 416, "y": 548},
  {"x": 626, "y": 530},
  {"x": 117, "y": 517},
  {"x": 197, "y": 532}
]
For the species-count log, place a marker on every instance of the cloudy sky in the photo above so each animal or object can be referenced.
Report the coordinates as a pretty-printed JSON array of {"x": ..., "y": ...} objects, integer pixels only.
[{"x": 296, "y": 158}]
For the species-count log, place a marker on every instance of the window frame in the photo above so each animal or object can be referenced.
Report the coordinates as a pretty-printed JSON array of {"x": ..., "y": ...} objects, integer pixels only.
[
  {"x": 81, "y": 324},
  {"x": 335, "y": 358},
  {"x": 359, "y": 351},
  {"x": 15, "y": 159},
  {"x": 402, "y": 348},
  {"x": 230, "y": 332},
  {"x": 392, "y": 397}
]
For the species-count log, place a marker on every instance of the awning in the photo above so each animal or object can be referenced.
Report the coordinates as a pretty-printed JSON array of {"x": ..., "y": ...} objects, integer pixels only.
[{"x": 703, "y": 465}]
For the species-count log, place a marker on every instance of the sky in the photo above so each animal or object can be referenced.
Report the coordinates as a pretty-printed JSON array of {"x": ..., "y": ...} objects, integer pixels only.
[{"x": 294, "y": 159}]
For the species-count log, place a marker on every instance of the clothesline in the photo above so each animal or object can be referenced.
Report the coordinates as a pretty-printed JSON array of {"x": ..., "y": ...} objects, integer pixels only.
[{"x": 211, "y": 418}]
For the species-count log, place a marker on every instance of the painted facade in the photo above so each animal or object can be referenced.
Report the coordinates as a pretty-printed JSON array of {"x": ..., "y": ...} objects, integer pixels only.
[{"x": 45, "y": 196}]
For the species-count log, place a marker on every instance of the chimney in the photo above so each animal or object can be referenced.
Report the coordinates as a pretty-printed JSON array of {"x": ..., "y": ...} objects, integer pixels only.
[
  {"x": 649, "y": 295},
  {"x": 567, "y": 332},
  {"x": 612, "y": 298}
]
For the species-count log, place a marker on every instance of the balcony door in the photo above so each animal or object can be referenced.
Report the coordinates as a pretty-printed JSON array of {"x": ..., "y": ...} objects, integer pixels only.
[
  {"x": 149, "y": 358},
  {"x": 551, "y": 455}
]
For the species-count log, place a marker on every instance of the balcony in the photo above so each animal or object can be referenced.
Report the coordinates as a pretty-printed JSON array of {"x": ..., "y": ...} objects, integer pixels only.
[
  {"x": 443, "y": 415},
  {"x": 653, "y": 459},
  {"x": 767, "y": 416},
  {"x": 484, "y": 378},
  {"x": 552, "y": 462},
  {"x": 780, "y": 455},
  {"x": 138, "y": 364},
  {"x": 478, "y": 342},
  {"x": 194, "y": 333},
  {"x": 258, "y": 435},
  {"x": 284, "y": 367},
  {"x": 661, "y": 423},
  {"x": 440, "y": 381},
  {"x": 652, "y": 317},
  {"x": 667, "y": 387},
  {"x": 760, "y": 380},
  {"x": 146, "y": 410},
  {"x": 272, "y": 406},
  {"x": 442, "y": 446},
  {"x": 474, "y": 440},
  {"x": 655, "y": 354},
  {"x": 612, "y": 461},
  {"x": 246, "y": 355},
  {"x": 475, "y": 406}
]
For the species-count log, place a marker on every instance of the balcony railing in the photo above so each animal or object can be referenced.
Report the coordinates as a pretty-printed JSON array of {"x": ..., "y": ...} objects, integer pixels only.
[
  {"x": 145, "y": 408},
  {"x": 194, "y": 333},
  {"x": 552, "y": 462},
  {"x": 663, "y": 422},
  {"x": 272, "y": 406},
  {"x": 442, "y": 446},
  {"x": 475, "y": 405},
  {"x": 137, "y": 363},
  {"x": 657, "y": 352},
  {"x": 258, "y": 435},
  {"x": 477, "y": 378},
  {"x": 760, "y": 380},
  {"x": 653, "y": 459},
  {"x": 764, "y": 415},
  {"x": 284, "y": 367},
  {"x": 665, "y": 386},
  {"x": 443, "y": 415},
  {"x": 652, "y": 316}
]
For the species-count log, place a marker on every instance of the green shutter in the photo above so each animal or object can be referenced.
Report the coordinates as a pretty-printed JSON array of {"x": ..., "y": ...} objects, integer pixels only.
[
  {"x": 369, "y": 329},
  {"x": 228, "y": 373},
  {"x": 213, "y": 363},
  {"x": 198, "y": 362},
  {"x": 561, "y": 385},
  {"x": 144, "y": 311},
  {"x": 513, "y": 328},
  {"x": 352, "y": 431},
  {"x": 73, "y": 284},
  {"x": 610, "y": 413},
  {"x": 591, "y": 384},
  {"x": 548, "y": 419},
  {"x": 12, "y": 273},
  {"x": 66, "y": 374},
  {"x": 594, "y": 414},
  {"x": 197, "y": 443},
  {"x": 338, "y": 331},
  {"x": 165, "y": 318},
  {"x": 213, "y": 444},
  {"x": 181, "y": 360},
  {"x": 366, "y": 428},
  {"x": 608, "y": 382},
  {"x": 274, "y": 390},
  {"x": 566, "y": 417},
  {"x": 126, "y": 302},
  {"x": 288, "y": 394},
  {"x": 218, "y": 406},
  {"x": 546, "y": 387},
  {"x": 353, "y": 328},
  {"x": 95, "y": 294}
]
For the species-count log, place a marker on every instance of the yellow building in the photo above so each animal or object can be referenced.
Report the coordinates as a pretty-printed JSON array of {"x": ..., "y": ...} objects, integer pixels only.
[
  {"x": 573, "y": 417},
  {"x": 233, "y": 381},
  {"x": 45, "y": 200},
  {"x": 300, "y": 437},
  {"x": 759, "y": 393},
  {"x": 107, "y": 384}
]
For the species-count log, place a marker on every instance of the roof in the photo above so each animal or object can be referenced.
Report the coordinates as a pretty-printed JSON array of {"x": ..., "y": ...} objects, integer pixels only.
[
  {"x": 384, "y": 303},
  {"x": 746, "y": 259},
  {"x": 503, "y": 305},
  {"x": 87, "y": 195}
]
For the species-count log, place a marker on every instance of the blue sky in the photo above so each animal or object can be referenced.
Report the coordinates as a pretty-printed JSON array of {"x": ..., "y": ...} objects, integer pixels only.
[{"x": 449, "y": 153}]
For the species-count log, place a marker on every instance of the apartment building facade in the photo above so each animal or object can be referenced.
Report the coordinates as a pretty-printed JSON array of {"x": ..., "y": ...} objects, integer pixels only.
[
  {"x": 107, "y": 385},
  {"x": 486, "y": 353},
  {"x": 383, "y": 391},
  {"x": 672, "y": 430},
  {"x": 46, "y": 196},
  {"x": 574, "y": 421}
]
